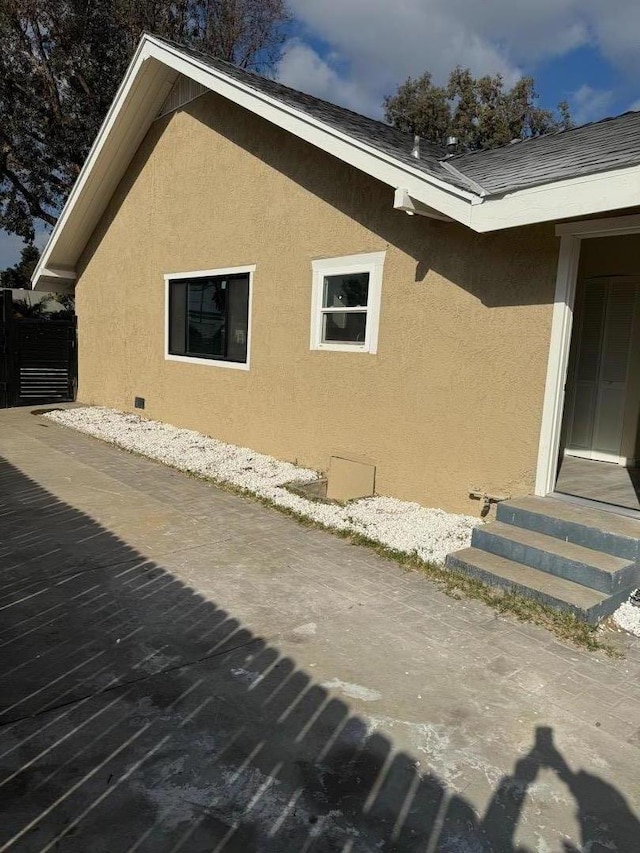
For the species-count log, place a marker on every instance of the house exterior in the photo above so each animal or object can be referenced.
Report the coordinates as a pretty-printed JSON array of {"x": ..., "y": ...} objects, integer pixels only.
[{"x": 280, "y": 273}]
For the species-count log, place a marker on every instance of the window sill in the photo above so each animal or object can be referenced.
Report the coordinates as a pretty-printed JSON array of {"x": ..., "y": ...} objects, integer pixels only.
[
  {"x": 341, "y": 348},
  {"x": 208, "y": 362}
]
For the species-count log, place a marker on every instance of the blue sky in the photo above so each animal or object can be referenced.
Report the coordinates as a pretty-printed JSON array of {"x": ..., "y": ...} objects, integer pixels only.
[{"x": 353, "y": 52}]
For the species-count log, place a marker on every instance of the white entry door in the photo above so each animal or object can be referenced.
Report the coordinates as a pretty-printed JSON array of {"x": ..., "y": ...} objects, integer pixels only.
[{"x": 602, "y": 356}]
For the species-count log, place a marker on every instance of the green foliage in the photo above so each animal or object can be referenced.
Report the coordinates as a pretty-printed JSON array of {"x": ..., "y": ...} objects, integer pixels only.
[
  {"x": 29, "y": 310},
  {"x": 20, "y": 274},
  {"x": 61, "y": 62},
  {"x": 43, "y": 310},
  {"x": 479, "y": 112}
]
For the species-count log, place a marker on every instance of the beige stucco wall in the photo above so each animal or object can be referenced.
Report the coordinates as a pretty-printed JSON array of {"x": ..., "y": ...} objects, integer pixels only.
[{"x": 452, "y": 399}]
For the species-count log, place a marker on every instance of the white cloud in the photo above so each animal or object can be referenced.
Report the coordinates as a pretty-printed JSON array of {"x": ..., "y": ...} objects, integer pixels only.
[
  {"x": 635, "y": 106},
  {"x": 616, "y": 30},
  {"x": 302, "y": 68},
  {"x": 589, "y": 104},
  {"x": 378, "y": 43}
]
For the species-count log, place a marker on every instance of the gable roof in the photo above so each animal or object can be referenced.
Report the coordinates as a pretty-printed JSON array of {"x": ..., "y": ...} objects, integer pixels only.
[
  {"x": 532, "y": 181},
  {"x": 607, "y": 144},
  {"x": 377, "y": 134}
]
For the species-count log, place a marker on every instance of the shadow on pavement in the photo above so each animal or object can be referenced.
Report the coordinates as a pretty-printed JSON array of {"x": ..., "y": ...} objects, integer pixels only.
[{"x": 135, "y": 715}]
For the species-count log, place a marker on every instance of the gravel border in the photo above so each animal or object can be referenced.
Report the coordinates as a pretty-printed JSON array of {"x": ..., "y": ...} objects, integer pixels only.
[
  {"x": 627, "y": 617},
  {"x": 404, "y": 526},
  {"x": 401, "y": 525}
]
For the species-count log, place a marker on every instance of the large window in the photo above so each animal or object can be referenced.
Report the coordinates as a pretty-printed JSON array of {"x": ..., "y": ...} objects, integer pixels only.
[
  {"x": 208, "y": 316},
  {"x": 346, "y": 303}
]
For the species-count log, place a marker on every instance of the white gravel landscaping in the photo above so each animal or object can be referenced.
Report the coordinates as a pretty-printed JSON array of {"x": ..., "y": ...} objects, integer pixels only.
[
  {"x": 401, "y": 525},
  {"x": 627, "y": 616}
]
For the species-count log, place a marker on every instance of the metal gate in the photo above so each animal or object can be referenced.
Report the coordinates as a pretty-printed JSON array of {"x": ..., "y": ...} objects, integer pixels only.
[{"x": 38, "y": 358}]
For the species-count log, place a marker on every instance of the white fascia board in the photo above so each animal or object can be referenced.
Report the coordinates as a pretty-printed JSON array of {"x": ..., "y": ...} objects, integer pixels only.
[
  {"x": 551, "y": 202},
  {"x": 571, "y": 198},
  {"x": 439, "y": 195},
  {"x": 125, "y": 88},
  {"x": 614, "y": 226},
  {"x": 58, "y": 273}
]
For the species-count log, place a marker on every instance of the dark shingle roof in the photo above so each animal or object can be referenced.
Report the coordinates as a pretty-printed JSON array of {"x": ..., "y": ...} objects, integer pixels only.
[
  {"x": 376, "y": 134},
  {"x": 608, "y": 144}
]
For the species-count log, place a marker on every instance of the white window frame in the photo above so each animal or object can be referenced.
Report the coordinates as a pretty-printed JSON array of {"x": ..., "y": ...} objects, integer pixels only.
[
  {"x": 208, "y": 362},
  {"x": 371, "y": 263}
]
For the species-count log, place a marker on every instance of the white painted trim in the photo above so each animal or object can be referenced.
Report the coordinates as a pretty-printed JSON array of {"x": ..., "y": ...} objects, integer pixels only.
[
  {"x": 263, "y": 104},
  {"x": 402, "y": 200},
  {"x": 125, "y": 88},
  {"x": 372, "y": 263},
  {"x": 613, "y": 226},
  {"x": 209, "y": 362},
  {"x": 597, "y": 456},
  {"x": 65, "y": 275},
  {"x": 553, "y": 405},
  {"x": 427, "y": 188},
  {"x": 150, "y": 77},
  {"x": 349, "y": 261},
  {"x": 569, "y": 198},
  {"x": 571, "y": 235},
  {"x": 209, "y": 273}
]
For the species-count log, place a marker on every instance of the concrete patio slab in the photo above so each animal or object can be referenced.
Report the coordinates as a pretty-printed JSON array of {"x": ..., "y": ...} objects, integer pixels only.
[{"x": 182, "y": 669}]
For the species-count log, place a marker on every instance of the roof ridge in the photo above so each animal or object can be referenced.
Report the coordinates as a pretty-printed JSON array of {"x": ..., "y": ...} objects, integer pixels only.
[{"x": 437, "y": 150}]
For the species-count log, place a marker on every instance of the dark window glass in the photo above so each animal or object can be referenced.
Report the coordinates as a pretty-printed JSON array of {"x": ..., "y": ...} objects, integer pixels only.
[
  {"x": 342, "y": 296},
  {"x": 346, "y": 291},
  {"x": 208, "y": 317},
  {"x": 178, "y": 317},
  {"x": 344, "y": 328},
  {"x": 238, "y": 319}
]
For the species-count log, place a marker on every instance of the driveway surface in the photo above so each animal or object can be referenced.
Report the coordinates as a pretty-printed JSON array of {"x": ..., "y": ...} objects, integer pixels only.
[{"x": 183, "y": 669}]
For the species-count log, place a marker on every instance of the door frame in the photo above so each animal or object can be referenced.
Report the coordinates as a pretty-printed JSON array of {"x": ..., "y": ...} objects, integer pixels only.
[{"x": 571, "y": 236}]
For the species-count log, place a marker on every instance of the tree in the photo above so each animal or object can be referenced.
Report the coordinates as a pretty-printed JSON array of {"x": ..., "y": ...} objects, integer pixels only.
[
  {"x": 41, "y": 309},
  {"x": 479, "y": 112},
  {"x": 20, "y": 274},
  {"x": 61, "y": 62},
  {"x": 27, "y": 310}
]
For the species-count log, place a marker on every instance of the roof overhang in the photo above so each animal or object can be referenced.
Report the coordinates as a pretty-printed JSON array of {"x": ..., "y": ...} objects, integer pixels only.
[{"x": 150, "y": 77}]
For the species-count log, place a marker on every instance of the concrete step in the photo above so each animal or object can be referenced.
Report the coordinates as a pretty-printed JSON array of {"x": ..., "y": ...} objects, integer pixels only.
[
  {"x": 592, "y": 528},
  {"x": 587, "y": 604},
  {"x": 593, "y": 569}
]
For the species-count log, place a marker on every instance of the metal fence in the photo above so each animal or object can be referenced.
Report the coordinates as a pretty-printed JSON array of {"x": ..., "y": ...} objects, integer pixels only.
[{"x": 38, "y": 358}]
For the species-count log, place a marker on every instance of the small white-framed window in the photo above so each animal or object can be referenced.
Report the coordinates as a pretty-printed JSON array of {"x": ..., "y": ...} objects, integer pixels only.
[
  {"x": 345, "y": 303},
  {"x": 208, "y": 316}
]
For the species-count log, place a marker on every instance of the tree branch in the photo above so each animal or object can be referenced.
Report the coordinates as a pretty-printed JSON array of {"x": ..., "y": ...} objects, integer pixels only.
[{"x": 34, "y": 206}]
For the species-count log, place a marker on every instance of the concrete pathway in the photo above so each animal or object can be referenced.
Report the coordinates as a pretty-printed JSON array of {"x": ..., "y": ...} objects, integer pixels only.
[{"x": 185, "y": 670}]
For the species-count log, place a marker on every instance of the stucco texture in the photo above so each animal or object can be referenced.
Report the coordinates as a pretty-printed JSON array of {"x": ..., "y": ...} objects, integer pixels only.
[{"x": 451, "y": 401}]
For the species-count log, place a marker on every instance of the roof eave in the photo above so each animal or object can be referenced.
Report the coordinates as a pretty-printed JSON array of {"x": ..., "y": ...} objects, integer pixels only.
[
  {"x": 446, "y": 198},
  {"x": 85, "y": 184},
  {"x": 571, "y": 198},
  {"x": 149, "y": 77}
]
